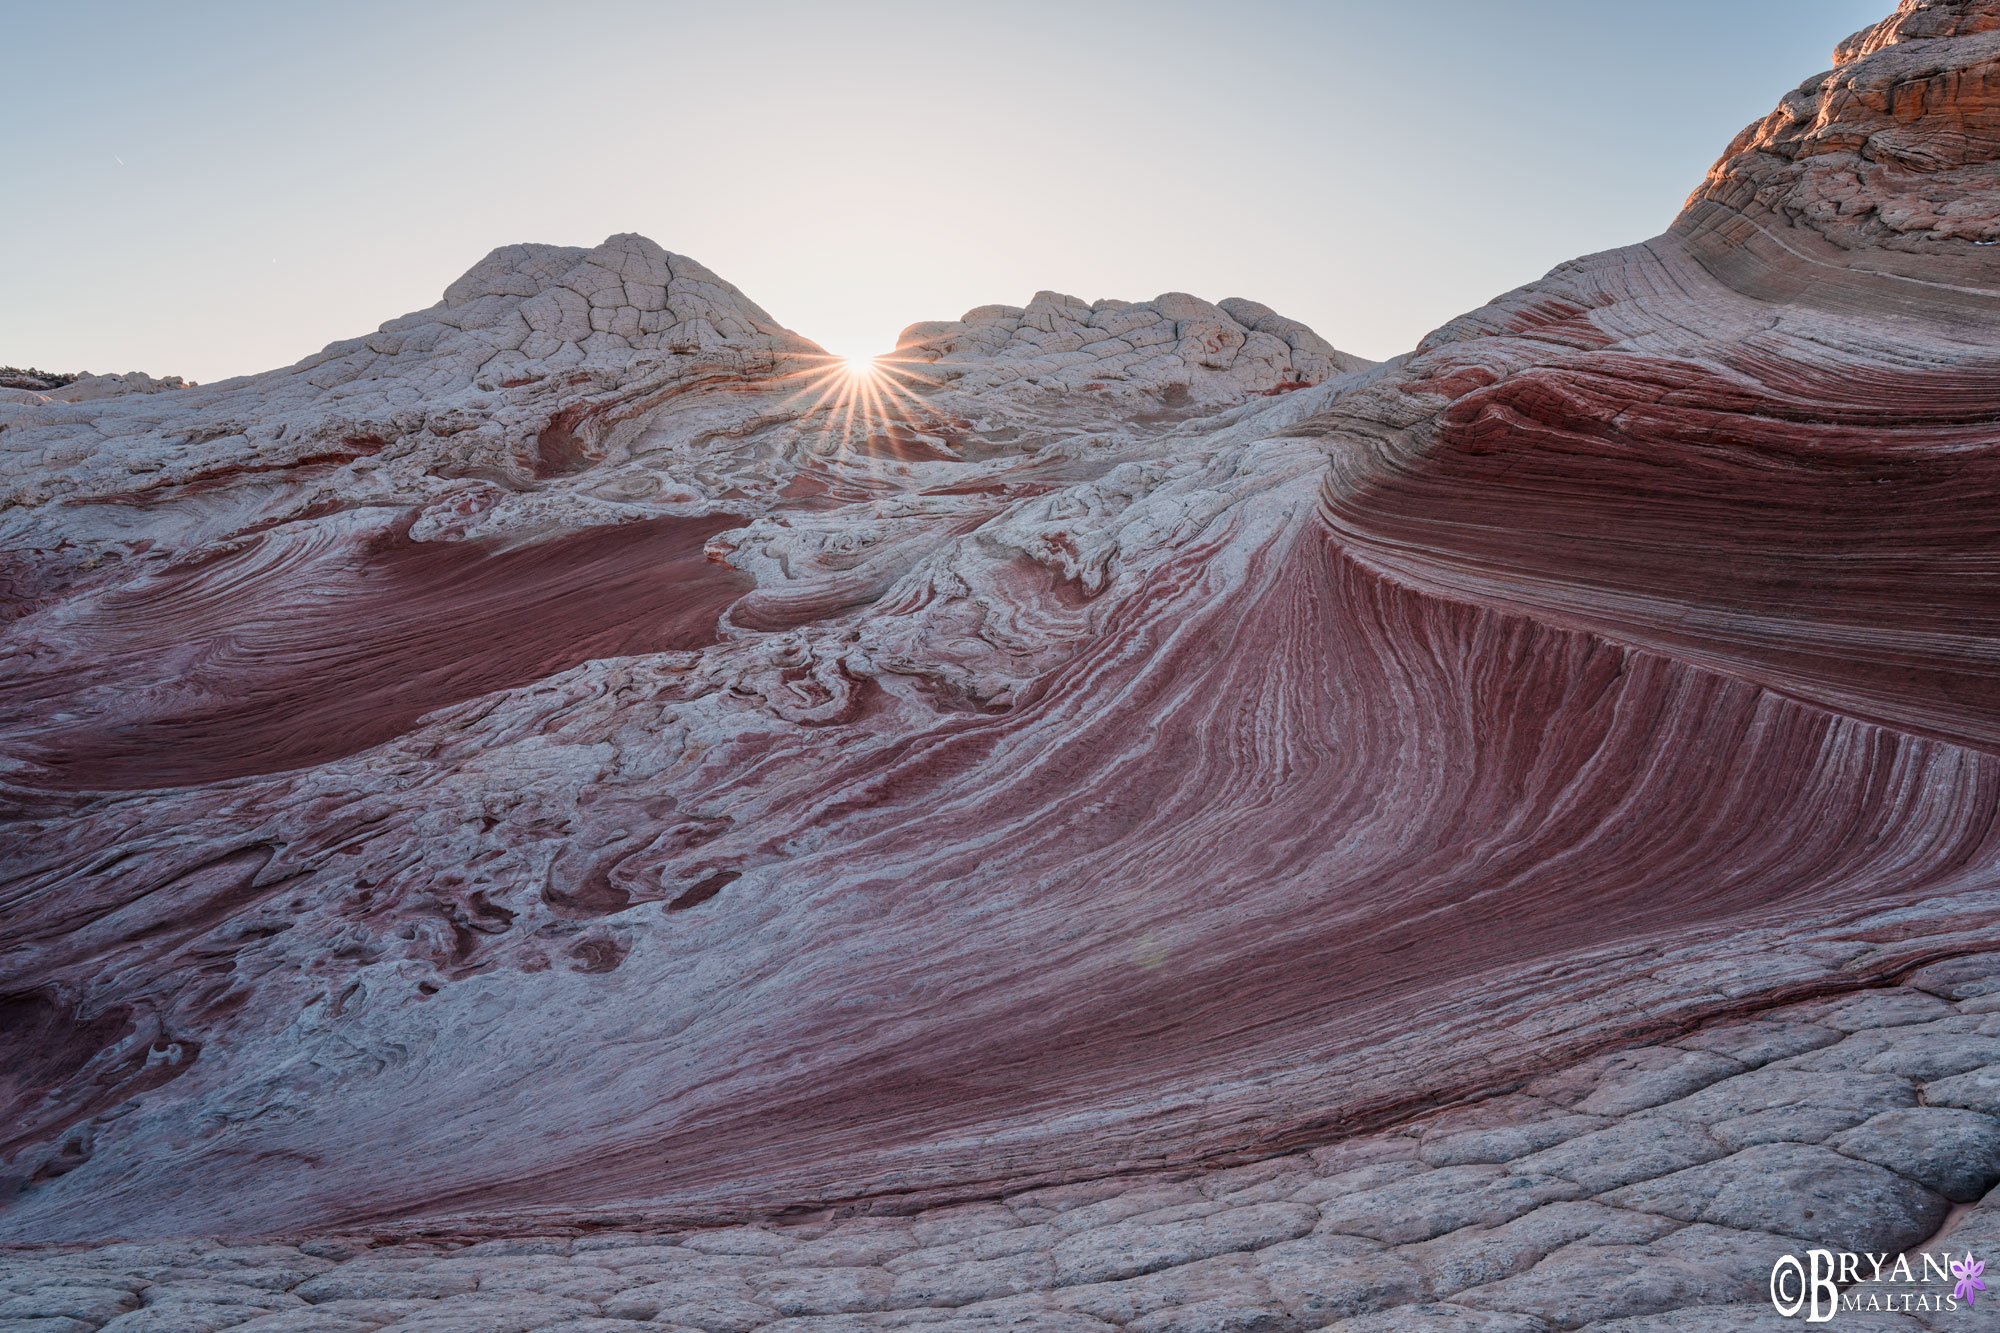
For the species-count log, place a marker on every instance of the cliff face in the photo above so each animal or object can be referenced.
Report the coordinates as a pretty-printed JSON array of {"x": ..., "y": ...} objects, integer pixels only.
[
  {"x": 1894, "y": 148},
  {"x": 579, "y": 751},
  {"x": 1872, "y": 187}
]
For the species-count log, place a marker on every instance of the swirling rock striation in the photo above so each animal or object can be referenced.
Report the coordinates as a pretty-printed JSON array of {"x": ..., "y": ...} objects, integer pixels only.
[
  {"x": 578, "y": 756},
  {"x": 1645, "y": 1191}
]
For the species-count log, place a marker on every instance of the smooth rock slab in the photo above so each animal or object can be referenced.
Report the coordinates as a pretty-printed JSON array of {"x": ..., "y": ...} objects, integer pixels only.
[
  {"x": 329, "y": 1313},
  {"x": 1760, "y": 1041},
  {"x": 1477, "y": 1256},
  {"x": 1581, "y": 1283},
  {"x": 510, "y": 1313},
  {"x": 1953, "y": 1151},
  {"x": 341, "y": 1285},
  {"x": 1318, "y": 1282},
  {"x": 1419, "y": 1207},
  {"x": 1797, "y": 1190},
  {"x": 1743, "y": 1257},
  {"x": 1485, "y": 1146},
  {"x": 975, "y": 1280},
  {"x": 1442, "y": 1318},
  {"x": 332, "y": 1314},
  {"x": 739, "y": 1240},
  {"x": 199, "y": 1291},
  {"x": 643, "y": 1302},
  {"x": 1234, "y": 1278},
  {"x": 1959, "y": 978},
  {"x": 1636, "y": 1149},
  {"x": 95, "y": 1304},
  {"x": 1626, "y": 1081},
  {"x": 989, "y": 1245},
  {"x": 1768, "y": 1090},
  {"x": 1790, "y": 1124},
  {"x": 1219, "y": 1316},
  {"x": 185, "y": 1319},
  {"x": 711, "y": 1315},
  {"x": 1128, "y": 1249},
  {"x": 169, "y": 1316},
  {"x": 824, "y": 1291},
  {"x": 1976, "y": 1090},
  {"x": 1885, "y": 1007}
]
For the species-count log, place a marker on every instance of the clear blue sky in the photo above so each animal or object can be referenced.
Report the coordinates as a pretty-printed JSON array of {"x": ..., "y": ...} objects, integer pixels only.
[{"x": 213, "y": 189}]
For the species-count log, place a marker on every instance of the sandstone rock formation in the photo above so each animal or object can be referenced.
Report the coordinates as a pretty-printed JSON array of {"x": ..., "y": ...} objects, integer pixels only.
[
  {"x": 1175, "y": 344},
  {"x": 38, "y": 381},
  {"x": 1665, "y": 1178},
  {"x": 579, "y": 760},
  {"x": 33, "y": 388}
]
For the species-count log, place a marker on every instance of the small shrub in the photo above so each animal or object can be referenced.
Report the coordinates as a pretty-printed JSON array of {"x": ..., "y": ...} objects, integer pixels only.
[{"x": 40, "y": 381}]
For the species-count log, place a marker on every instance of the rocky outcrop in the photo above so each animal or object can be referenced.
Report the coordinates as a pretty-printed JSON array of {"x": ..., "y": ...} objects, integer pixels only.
[
  {"x": 85, "y": 388},
  {"x": 1872, "y": 187},
  {"x": 275, "y": 580},
  {"x": 34, "y": 387},
  {"x": 1736, "y": 443},
  {"x": 1176, "y": 345},
  {"x": 1642, "y": 1192},
  {"x": 37, "y": 381},
  {"x": 509, "y": 775}
]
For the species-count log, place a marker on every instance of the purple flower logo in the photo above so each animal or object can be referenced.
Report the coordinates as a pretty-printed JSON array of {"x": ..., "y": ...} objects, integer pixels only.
[{"x": 1967, "y": 1272}]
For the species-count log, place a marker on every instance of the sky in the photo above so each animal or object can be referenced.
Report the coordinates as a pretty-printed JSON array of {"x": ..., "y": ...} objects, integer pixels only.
[{"x": 215, "y": 189}]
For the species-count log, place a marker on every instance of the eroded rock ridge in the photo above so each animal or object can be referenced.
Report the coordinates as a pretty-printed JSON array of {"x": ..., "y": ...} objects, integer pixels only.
[{"x": 578, "y": 758}]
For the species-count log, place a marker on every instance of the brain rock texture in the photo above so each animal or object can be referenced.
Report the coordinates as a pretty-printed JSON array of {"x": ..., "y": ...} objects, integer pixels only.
[{"x": 577, "y": 770}]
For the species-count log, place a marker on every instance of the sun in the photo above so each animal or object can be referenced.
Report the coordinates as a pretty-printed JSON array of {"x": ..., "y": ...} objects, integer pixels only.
[{"x": 861, "y": 401}]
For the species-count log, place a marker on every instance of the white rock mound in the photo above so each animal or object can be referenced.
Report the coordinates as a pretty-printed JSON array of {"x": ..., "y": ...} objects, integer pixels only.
[
  {"x": 88, "y": 388},
  {"x": 529, "y": 310},
  {"x": 1172, "y": 342}
]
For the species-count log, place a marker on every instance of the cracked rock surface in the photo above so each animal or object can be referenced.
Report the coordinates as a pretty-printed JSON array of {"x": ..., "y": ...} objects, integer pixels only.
[
  {"x": 576, "y": 808},
  {"x": 1647, "y": 1188}
]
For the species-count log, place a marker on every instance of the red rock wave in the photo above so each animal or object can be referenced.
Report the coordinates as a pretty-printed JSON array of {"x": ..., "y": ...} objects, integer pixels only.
[
  {"x": 1130, "y": 735},
  {"x": 293, "y": 650}
]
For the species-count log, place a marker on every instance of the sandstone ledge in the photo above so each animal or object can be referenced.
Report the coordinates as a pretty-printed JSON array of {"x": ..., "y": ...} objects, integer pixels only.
[{"x": 1643, "y": 1189}]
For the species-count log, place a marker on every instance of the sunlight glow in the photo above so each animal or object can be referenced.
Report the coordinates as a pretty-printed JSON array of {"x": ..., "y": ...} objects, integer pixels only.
[{"x": 871, "y": 416}]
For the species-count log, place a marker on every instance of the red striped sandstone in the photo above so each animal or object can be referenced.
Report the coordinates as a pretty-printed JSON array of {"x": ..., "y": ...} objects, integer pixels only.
[{"x": 1229, "y": 758}]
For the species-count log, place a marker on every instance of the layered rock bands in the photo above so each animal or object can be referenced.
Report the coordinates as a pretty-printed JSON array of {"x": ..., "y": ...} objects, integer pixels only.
[{"x": 579, "y": 756}]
